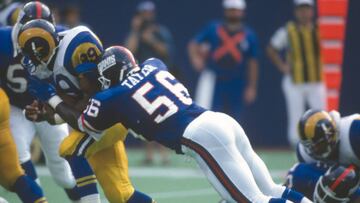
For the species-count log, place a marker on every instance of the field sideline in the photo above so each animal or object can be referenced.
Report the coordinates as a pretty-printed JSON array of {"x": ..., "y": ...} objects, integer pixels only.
[{"x": 179, "y": 182}]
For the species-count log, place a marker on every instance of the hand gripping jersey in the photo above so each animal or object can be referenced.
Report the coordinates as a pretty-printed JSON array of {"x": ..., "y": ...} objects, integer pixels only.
[
  {"x": 77, "y": 45},
  {"x": 347, "y": 151},
  {"x": 151, "y": 103}
]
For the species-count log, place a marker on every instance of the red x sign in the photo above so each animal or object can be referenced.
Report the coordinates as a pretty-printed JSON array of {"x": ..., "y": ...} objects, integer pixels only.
[{"x": 228, "y": 45}]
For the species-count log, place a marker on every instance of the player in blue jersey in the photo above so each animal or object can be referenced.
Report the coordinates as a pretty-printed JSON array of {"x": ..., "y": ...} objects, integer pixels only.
[
  {"x": 14, "y": 83},
  {"x": 58, "y": 55},
  {"x": 229, "y": 49},
  {"x": 149, "y": 101},
  {"x": 326, "y": 139}
]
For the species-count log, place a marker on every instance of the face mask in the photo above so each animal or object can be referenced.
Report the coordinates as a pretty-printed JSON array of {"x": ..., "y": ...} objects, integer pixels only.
[{"x": 39, "y": 70}]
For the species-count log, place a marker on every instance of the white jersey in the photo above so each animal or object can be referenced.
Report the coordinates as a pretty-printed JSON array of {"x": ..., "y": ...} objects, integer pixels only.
[
  {"x": 348, "y": 151},
  {"x": 77, "y": 45}
]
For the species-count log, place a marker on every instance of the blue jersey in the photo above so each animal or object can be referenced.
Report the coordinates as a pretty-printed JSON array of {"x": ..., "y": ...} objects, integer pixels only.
[
  {"x": 151, "y": 103},
  {"x": 229, "y": 52},
  {"x": 12, "y": 73},
  {"x": 303, "y": 178}
]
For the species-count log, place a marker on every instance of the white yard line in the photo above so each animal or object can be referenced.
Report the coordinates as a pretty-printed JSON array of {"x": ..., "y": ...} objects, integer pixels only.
[
  {"x": 140, "y": 172},
  {"x": 183, "y": 193}
]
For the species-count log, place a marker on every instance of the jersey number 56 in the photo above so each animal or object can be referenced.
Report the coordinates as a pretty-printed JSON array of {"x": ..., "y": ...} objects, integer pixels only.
[{"x": 150, "y": 107}]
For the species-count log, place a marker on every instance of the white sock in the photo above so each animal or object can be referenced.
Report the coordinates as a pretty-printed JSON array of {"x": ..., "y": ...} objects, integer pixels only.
[{"x": 94, "y": 198}]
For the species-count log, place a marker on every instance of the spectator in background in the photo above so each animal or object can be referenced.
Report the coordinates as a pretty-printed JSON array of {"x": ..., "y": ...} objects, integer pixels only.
[
  {"x": 229, "y": 49},
  {"x": 148, "y": 39},
  {"x": 302, "y": 83},
  {"x": 71, "y": 16}
]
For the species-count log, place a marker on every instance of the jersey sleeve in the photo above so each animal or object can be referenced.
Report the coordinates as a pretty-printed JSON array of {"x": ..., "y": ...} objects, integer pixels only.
[
  {"x": 6, "y": 47},
  {"x": 85, "y": 47},
  {"x": 279, "y": 40},
  {"x": 96, "y": 118},
  {"x": 156, "y": 63},
  {"x": 205, "y": 34}
]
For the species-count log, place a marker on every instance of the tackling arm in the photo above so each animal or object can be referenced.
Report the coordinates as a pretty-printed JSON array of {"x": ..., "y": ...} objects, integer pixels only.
[{"x": 68, "y": 113}]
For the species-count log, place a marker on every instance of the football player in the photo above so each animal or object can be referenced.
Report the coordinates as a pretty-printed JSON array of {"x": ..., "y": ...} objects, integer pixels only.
[
  {"x": 59, "y": 55},
  {"x": 326, "y": 139},
  {"x": 14, "y": 83},
  {"x": 9, "y": 11},
  {"x": 12, "y": 177},
  {"x": 150, "y": 102}
]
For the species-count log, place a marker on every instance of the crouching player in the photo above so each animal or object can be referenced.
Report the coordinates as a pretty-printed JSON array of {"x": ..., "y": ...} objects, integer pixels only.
[
  {"x": 148, "y": 100},
  {"x": 329, "y": 157},
  {"x": 12, "y": 177}
]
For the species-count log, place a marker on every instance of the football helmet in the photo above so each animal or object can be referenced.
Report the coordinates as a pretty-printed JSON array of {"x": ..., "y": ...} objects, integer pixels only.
[
  {"x": 38, "y": 41},
  {"x": 35, "y": 10},
  {"x": 337, "y": 185},
  {"x": 31, "y": 11},
  {"x": 116, "y": 64},
  {"x": 318, "y": 133}
]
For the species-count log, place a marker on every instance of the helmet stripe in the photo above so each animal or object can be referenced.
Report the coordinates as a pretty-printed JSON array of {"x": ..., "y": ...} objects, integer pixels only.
[
  {"x": 26, "y": 35},
  {"x": 311, "y": 122},
  {"x": 38, "y": 10},
  {"x": 341, "y": 177}
]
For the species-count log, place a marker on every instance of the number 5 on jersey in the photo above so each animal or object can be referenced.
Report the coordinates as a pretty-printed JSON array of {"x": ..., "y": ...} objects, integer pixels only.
[{"x": 177, "y": 89}]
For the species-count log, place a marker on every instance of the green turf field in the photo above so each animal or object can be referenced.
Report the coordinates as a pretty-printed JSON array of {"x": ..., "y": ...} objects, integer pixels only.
[{"x": 179, "y": 182}]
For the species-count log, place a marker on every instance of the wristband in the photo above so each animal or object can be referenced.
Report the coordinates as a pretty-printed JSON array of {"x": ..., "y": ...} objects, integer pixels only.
[
  {"x": 58, "y": 120},
  {"x": 54, "y": 101}
]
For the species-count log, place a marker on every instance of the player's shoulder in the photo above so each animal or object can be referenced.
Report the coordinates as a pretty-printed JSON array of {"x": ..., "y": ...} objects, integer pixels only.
[
  {"x": 6, "y": 45},
  {"x": 155, "y": 62},
  {"x": 249, "y": 31},
  {"x": 78, "y": 45},
  {"x": 107, "y": 96},
  {"x": 75, "y": 35},
  {"x": 213, "y": 25}
]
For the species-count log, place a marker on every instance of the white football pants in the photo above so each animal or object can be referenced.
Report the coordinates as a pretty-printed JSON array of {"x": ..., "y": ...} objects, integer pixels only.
[
  {"x": 297, "y": 96},
  {"x": 50, "y": 138},
  {"x": 223, "y": 152}
]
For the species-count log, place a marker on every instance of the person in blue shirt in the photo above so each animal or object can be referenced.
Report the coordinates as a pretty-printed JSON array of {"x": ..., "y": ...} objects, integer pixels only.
[
  {"x": 150, "y": 102},
  {"x": 13, "y": 81},
  {"x": 227, "y": 49}
]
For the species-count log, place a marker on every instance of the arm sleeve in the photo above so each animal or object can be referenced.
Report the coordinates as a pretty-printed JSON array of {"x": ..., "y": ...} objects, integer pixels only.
[
  {"x": 279, "y": 40},
  {"x": 96, "y": 118},
  {"x": 205, "y": 34}
]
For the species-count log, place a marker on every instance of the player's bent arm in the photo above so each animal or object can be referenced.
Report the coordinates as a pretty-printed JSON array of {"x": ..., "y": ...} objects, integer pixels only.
[
  {"x": 66, "y": 112},
  {"x": 276, "y": 59},
  {"x": 74, "y": 117}
]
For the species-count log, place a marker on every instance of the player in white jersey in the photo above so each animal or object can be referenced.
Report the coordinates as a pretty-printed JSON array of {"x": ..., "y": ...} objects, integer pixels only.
[
  {"x": 327, "y": 142},
  {"x": 23, "y": 131},
  {"x": 73, "y": 47},
  {"x": 337, "y": 143}
]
